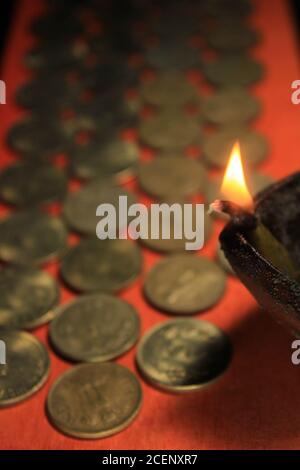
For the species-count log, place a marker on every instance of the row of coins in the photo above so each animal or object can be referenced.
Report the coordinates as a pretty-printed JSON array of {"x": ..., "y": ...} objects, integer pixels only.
[{"x": 78, "y": 106}]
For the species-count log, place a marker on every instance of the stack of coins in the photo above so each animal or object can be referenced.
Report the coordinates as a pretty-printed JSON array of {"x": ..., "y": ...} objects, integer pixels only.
[{"x": 110, "y": 80}]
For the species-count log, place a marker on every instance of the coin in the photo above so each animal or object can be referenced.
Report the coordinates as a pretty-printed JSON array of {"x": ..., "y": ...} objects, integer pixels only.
[
  {"x": 104, "y": 158},
  {"x": 232, "y": 106},
  {"x": 164, "y": 177},
  {"x": 27, "y": 184},
  {"x": 168, "y": 131},
  {"x": 91, "y": 401},
  {"x": 94, "y": 328},
  {"x": 172, "y": 56},
  {"x": 101, "y": 265},
  {"x": 48, "y": 57},
  {"x": 171, "y": 244},
  {"x": 233, "y": 71},
  {"x": 255, "y": 182},
  {"x": 26, "y": 369},
  {"x": 217, "y": 146},
  {"x": 229, "y": 39},
  {"x": 221, "y": 258},
  {"x": 80, "y": 206},
  {"x": 227, "y": 8},
  {"x": 184, "y": 284},
  {"x": 36, "y": 137},
  {"x": 27, "y": 297},
  {"x": 184, "y": 354},
  {"x": 168, "y": 89},
  {"x": 31, "y": 237},
  {"x": 54, "y": 93}
]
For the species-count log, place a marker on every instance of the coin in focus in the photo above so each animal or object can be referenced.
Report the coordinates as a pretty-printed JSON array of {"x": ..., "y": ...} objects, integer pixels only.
[
  {"x": 217, "y": 146},
  {"x": 91, "y": 401},
  {"x": 28, "y": 184},
  {"x": 168, "y": 89},
  {"x": 233, "y": 71},
  {"x": 27, "y": 297},
  {"x": 172, "y": 176},
  {"x": 101, "y": 265},
  {"x": 232, "y": 106},
  {"x": 26, "y": 369},
  {"x": 31, "y": 237},
  {"x": 184, "y": 354},
  {"x": 94, "y": 328},
  {"x": 167, "y": 131},
  {"x": 80, "y": 207},
  {"x": 183, "y": 284}
]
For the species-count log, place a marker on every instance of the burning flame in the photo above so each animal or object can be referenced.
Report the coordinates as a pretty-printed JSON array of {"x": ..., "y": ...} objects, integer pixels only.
[{"x": 234, "y": 187}]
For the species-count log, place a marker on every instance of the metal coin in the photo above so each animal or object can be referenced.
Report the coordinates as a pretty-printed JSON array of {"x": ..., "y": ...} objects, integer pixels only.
[
  {"x": 232, "y": 39},
  {"x": 80, "y": 206},
  {"x": 27, "y": 184},
  {"x": 53, "y": 93},
  {"x": 184, "y": 284},
  {"x": 26, "y": 369},
  {"x": 227, "y": 8},
  {"x": 172, "y": 244},
  {"x": 168, "y": 89},
  {"x": 104, "y": 158},
  {"x": 170, "y": 131},
  {"x": 164, "y": 177},
  {"x": 95, "y": 328},
  {"x": 233, "y": 71},
  {"x": 101, "y": 265},
  {"x": 91, "y": 401},
  {"x": 31, "y": 237},
  {"x": 221, "y": 258},
  {"x": 36, "y": 137},
  {"x": 172, "y": 56},
  {"x": 217, "y": 146},
  {"x": 27, "y": 297},
  {"x": 49, "y": 57},
  {"x": 184, "y": 354},
  {"x": 255, "y": 182},
  {"x": 232, "y": 106}
]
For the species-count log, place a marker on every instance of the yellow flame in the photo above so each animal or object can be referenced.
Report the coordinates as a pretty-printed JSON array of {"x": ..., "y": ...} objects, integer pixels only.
[{"x": 234, "y": 187}]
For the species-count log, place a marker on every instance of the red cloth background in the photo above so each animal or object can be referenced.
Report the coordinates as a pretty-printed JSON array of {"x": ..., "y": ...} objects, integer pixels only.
[{"x": 256, "y": 404}]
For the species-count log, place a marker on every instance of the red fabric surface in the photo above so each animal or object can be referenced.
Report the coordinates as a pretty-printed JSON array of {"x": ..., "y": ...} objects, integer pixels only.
[{"x": 256, "y": 403}]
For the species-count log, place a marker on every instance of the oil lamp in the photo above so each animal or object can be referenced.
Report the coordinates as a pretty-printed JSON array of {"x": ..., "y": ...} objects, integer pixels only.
[{"x": 262, "y": 240}]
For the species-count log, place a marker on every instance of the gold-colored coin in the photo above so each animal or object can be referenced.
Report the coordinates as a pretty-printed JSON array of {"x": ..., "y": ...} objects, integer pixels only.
[
  {"x": 94, "y": 400},
  {"x": 26, "y": 368},
  {"x": 184, "y": 354}
]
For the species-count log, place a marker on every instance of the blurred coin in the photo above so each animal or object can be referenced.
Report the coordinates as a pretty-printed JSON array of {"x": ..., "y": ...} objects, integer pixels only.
[
  {"x": 94, "y": 328},
  {"x": 232, "y": 39},
  {"x": 184, "y": 354},
  {"x": 48, "y": 57},
  {"x": 255, "y": 182},
  {"x": 27, "y": 184},
  {"x": 26, "y": 369},
  {"x": 232, "y": 106},
  {"x": 35, "y": 137},
  {"x": 232, "y": 71},
  {"x": 184, "y": 284},
  {"x": 31, "y": 237},
  {"x": 104, "y": 158},
  {"x": 91, "y": 401},
  {"x": 165, "y": 177},
  {"x": 167, "y": 131},
  {"x": 172, "y": 244},
  {"x": 226, "y": 8},
  {"x": 80, "y": 206},
  {"x": 168, "y": 89},
  {"x": 27, "y": 297},
  {"x": 101, "y": 265},
  {"x": 172, "y": 56},
  {"x": 217, "y": 146}
]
